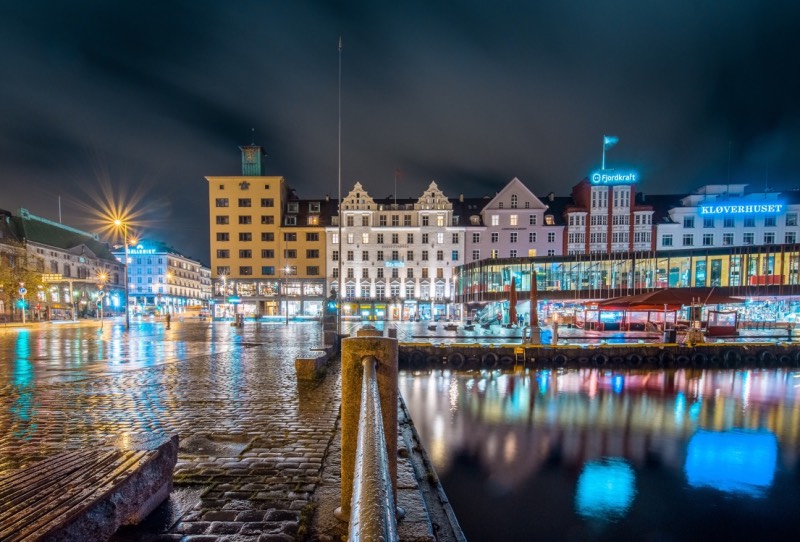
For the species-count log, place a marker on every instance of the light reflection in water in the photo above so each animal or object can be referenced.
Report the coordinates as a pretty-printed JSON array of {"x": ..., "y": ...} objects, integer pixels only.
[{"x": 606, "y": 489}]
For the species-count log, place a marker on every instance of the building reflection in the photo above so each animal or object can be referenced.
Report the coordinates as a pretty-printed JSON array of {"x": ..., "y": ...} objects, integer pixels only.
[{"x": 513, "y": 424}]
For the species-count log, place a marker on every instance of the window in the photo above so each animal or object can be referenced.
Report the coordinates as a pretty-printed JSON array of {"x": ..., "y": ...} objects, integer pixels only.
[
  {"x": 244, "y": 202},
  {"x": 245, "y": 237},
  {"x": 410, "y": 238},
  {"x": 440, "y": 238},
  {"x": 291, "y": 220},
  {"x": 409, "y": 273},
  {"x": 293, "y": 207},
  {"x": 727, "y": 222},
  {"x": 512, "y": 220},
  {"x": 245, "y": 219},
  {"x": 770, "y": 222},
  {"x": 495, "y": 237},
  {"x": 440, "y": 255},
  {"x": 409, "y": 255},
  {"x": 246, "y": 270},
  {"x": 350, "y": 256},
  {"x": 380, "y": 239},
  {"x": 223, "y": 270},
  {"x": 350, "y": 220},
  {"x": 790, "y": 237},
  {"x": 513, "y": 201},
  {"x": 424, "y": 272},
  {"x": 365, "y": 273},
  {"x": 440, "y": 220},
  {"x": 312, "y": 253},
  {"x": 476, "y": 255},
  {"x": 335, "y": 272},
  {"x": 424, "y": 255},
  {"x": 495, "y": 220},
  {"x": 708, "y": 239},
  {"x": 314, "y": 207},
  {"x": 223, "y": 253},
  {"x": 382, "y": 220},
  {"x": 379, "y": 256},
  {"x": 222, "y": 220},
  {"x": 222, "y": 202},
  {"x": 246, "y": 253},
  {"x": 395, "y": 255},
  {"x": 350, "y": 238},
  {"x": 512, "y": 237},
  {"x": 551, "y": 237},
  {"x": 454, "y": 255},
  {"x": 532, "y": 237},
  {"x": 267, "y": 253},
  {"x": 395, "y": 238},
  {"x": 223, "y": 237},
  {"x": 379, "y": 272},
  {"x": 455, "y": 238},
  {"x": 748, "y": 238},
  {"x": 267, "y": 219},
  {"x": 688, "y": 222},
  {"x": 494, "y": 253},
  {"x": 476, "y": 237},
  {"x": 290, "y": 253},
  {"x": 267, "y": 270},
  {"x": 350, "y": 273},
  {"x": 406, "y": 220},
  {"x": 267, "y": 202},
  {"x": 365, "y": 238},
  {"x": 380, "y": 291},
  {"x": 688, "y": 239},
  {"x": 666, "y": 240},
  {"x": 365, "y": 220},
  {"x": 708, "y": 222},
  {"x": 267, "y": 236},
  {"x": 791, "y": 219},
  {"x": 365, "y": 255},
  {"x": 549, "y": 220},
  {"x": 335, "y": 256},
  {"x": 290, "y": 237},
  {"x": 532, "y": 220},
  {"x": 312, "y": 270},
  {"x": 727, "y": 239},
  {"x": 312, "y": 237},
  {"x": 749, "y": 222},
  {"x": 769, "y": 238},
  {"x": 424, "y": 238}
]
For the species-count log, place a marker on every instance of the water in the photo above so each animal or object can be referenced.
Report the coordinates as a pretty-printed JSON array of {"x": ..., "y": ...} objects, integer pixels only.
[{"x": 603, "y": 455}]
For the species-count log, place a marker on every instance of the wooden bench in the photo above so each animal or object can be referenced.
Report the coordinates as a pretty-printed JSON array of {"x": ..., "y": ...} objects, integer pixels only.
[{"x": 86, "y": 494}]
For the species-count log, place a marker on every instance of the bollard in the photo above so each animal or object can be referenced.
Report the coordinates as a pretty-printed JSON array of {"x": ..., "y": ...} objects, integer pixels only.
[
  {"x": 392, "y": 333},
  {"x": 354, "y": 350}
]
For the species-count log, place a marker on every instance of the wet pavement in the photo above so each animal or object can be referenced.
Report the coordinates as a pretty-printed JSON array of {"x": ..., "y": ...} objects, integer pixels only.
[{"x": 253, "y": 438}]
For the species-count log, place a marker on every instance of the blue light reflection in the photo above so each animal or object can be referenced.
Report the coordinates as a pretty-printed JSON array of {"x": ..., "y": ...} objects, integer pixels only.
[{"x": 606, "y": 489}]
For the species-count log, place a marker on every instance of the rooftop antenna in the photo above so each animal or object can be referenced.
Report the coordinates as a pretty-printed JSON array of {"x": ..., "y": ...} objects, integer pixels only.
[
  {"x": 252, "y": 136},
  {"x": 59, "y": 210},
  {"x": 730, "y": 153}
]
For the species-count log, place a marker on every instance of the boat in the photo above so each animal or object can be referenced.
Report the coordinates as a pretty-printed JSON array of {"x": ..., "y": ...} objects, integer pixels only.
[{"x": 451, "y": 327}]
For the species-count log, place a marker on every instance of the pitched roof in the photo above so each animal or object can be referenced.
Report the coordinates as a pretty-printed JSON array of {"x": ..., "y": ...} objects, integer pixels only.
[{"x": 45, "y": 232}]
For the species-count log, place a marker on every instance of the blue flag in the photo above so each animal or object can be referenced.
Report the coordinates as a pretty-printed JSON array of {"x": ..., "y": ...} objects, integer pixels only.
[{"x": 610, "y": 141}]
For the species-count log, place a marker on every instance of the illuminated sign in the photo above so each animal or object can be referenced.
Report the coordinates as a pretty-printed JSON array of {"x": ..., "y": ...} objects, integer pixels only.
[
  {"x": 394, "y": 263},
  {"x": 612, "y": 176},
  {"x": 142, "y": 251},
  {"x": 741, "y": 208},
  {"x": 233, "y": 300}
]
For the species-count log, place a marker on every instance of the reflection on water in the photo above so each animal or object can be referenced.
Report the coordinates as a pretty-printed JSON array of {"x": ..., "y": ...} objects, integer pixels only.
[{"x": 605, "y": 455}]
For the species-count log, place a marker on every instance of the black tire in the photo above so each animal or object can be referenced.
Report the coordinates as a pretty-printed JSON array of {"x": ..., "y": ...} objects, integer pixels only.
[
  {"x": 617, "y": 361},
  {"x": 652, "y": 361},
  {"x": 767, "y": 358},
  {"x": 583, "y": 361},
  {"x": 714, "y": 361},
  {"x": 682, "y": 360},
  {"x": 506, "y": 361},
  {"x": 560, "y": 360},
  {"x": 634, "y": 360},
  {"x": 489, "y": 360},
  {"x": 786, "y": 360},
  {"x": 666, "y": 359},
  {"x": 699, "y": 359},
  {"x": 456, "y": 360},
  {"x": 599, "y": 360},
  {"x": 750, "y": 360},
  {"x": 473, "y": 362},
  {"x": 796, "y": 356},
  {"x": 731, "y": 357}
]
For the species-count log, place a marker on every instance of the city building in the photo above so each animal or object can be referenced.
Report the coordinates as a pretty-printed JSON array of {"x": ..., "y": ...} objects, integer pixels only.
[
  {"x": 397, "y": 257},
  {"x": 605, "y": 217},
  {"x": 728, "y": 215},
  {"x": 515, "y": 223},
  {"x": 267, "y": 246},
  {"x": 162, "y": 280},
  {"x": 67, "y": 272}
]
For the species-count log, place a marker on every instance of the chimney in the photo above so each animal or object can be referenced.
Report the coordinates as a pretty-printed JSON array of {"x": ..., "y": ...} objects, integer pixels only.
[
  {"x": 327, "y": 197},
  {"x": 461, "y": 198},
  {"x": 551, "y": 196}
]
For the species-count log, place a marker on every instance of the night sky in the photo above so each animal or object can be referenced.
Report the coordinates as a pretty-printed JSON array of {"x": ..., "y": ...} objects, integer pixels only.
[{"x": 137, "y": 101}]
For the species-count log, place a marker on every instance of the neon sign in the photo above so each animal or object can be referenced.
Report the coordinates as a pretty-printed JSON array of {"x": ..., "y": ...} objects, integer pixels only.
[
  {"x": 741, "y": 209},
  {"x": 612, "y": 176},
  {"x": 394, "y": 263}
]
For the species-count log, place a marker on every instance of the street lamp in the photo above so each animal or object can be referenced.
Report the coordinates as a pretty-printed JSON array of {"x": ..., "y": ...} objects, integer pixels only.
[
  {"x": 286, "y": 270},
  {"x": 124, "y": 226},
  {"x": 101, "y": 281}
]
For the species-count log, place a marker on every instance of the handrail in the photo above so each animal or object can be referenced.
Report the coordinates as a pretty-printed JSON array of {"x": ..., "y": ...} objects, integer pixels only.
[{"x": 372, "y": 514}]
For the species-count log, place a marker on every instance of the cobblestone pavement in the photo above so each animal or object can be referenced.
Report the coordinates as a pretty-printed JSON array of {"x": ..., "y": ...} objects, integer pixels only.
[{"x": 253, "y": 438}]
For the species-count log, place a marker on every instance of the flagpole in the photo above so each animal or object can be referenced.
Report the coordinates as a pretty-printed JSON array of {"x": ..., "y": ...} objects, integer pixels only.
[
  {"x": 341, "y": 289},
  {"x": 604, "y": 153}
]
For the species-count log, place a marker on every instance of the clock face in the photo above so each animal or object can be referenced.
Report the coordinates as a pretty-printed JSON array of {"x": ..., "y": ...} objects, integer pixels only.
[{"x": 250, "y": 155}]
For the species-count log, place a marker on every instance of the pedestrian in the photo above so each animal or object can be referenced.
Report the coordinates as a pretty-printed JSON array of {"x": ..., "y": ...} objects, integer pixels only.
[{"x": 168, "y": 320}]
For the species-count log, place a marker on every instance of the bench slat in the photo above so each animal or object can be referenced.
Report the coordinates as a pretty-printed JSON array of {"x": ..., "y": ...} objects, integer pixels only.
[{"x": 55, "y": 496}]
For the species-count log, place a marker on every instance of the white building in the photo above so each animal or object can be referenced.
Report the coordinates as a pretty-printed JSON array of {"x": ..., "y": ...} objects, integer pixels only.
[
  {"x": 726, "y": 215},
  {"x": 397, "y": 257}
]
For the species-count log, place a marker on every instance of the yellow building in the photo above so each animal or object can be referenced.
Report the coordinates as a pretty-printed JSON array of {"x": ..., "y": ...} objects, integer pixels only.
[{"x": 267, "y": 247}]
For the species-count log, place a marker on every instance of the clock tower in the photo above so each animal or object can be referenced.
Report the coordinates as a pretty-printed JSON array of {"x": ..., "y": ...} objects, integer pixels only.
[{"x": 251, "y": 160}]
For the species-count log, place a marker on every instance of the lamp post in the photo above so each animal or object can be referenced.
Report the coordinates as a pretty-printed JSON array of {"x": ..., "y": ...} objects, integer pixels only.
[
  {"x": 121, "y": 224},
  {"x": 101, "y": 281},
  {"x": 286, "y": 270}
]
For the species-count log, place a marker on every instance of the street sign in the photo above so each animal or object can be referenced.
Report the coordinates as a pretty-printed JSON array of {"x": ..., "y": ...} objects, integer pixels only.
[
  {"x": 23, "y": 291},
  {"x": 52, "y": 277}
]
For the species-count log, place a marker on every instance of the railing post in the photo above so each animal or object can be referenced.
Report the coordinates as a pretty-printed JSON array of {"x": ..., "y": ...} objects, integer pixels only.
[{"x": 354, "y": 350}]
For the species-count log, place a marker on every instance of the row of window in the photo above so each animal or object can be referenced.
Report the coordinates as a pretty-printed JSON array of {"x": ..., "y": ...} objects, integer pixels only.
[
  {"x": 708, "y": 239},
  {"x": 248, "y": 202},
  {"x": 394, "y": 291},
  {"x": 747, "y": 222},
  {"x": 513, "y": 220},
  {"x": 288, "y": 253},
  {"x": 268, "y": 270},
  {"x": 395, "y": 255},
  {"x": 380, "y": 238},
  {"x": 350, "y": 273},
  {"x": 268, "y": 236}
]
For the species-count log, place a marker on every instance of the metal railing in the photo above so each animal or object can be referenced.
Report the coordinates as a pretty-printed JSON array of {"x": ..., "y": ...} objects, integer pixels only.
[{"x": 372, "y": 514}]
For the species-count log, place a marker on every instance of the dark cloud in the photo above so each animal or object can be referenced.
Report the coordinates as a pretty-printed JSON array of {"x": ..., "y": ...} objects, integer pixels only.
[{"x": 470, "y": 94}]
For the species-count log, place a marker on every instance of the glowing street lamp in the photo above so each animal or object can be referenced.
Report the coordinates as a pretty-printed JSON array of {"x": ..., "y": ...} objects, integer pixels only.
[
  {"x": 122, "y": 225},
  {"x": 286, "y": 270}
]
